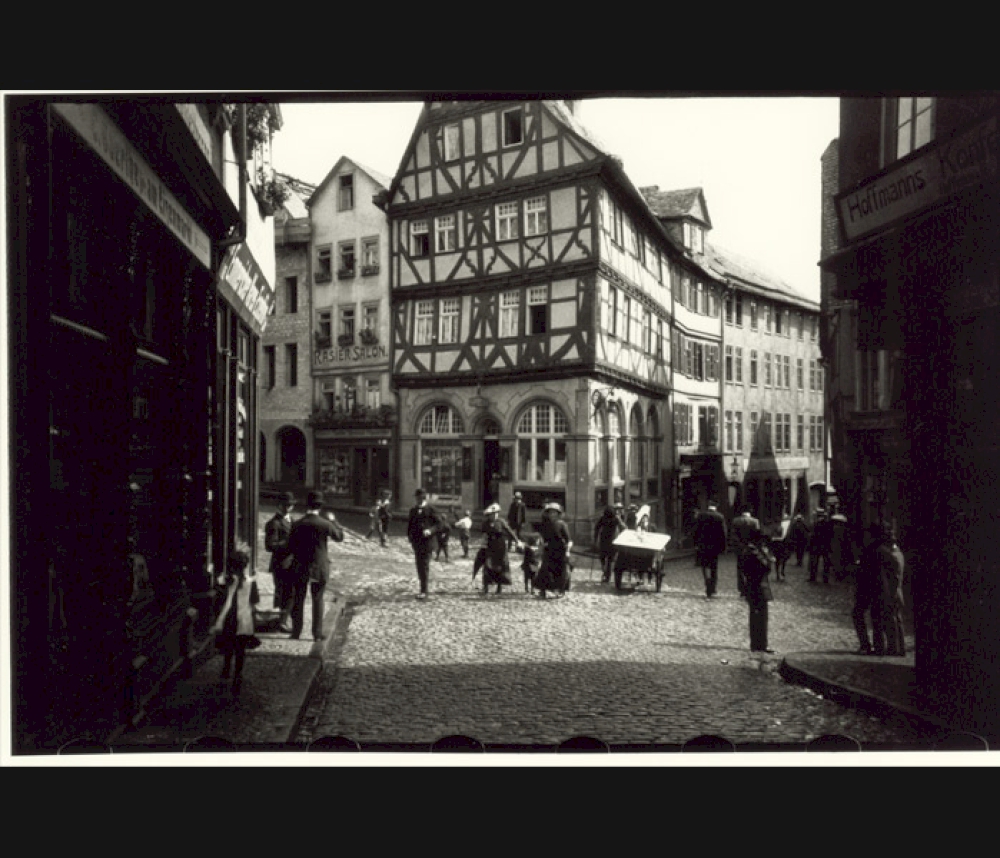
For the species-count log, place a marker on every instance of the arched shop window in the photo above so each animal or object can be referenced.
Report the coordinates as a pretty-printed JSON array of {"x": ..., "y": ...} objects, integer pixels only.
[
  {"x": 441, "y": 451},
  {"x": 541, "y": 446}
]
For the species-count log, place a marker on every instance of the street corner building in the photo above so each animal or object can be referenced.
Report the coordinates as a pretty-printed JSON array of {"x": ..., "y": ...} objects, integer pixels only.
[
  {"x": 142, "y": 270},
  {"x": 911, "y": 309}
]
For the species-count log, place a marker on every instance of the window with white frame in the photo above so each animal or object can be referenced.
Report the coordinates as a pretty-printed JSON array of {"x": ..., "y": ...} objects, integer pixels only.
[
  {"x": 450, "y": 308},
  {"x": 345, "y": 193},
  {"x": 729, "y": 432},
  {"x": 541, "y": 444},
  {"x": 369, "y": 318},
  {"x": 730, "y": 373},
  {"x": 346, "y": 322},
  {"x": 345, "y": 250},
  {"x": 914, "y": 123},
  {"x": 766, "y": 309},
  {"x": 445, "y": 233},
  {"x": 788, "y": 433},
  {"x": 753, "y": 367},
  {"x": 800, "y": 431},
  {"x": 324, "y": 328},
  {"x": 513, "y": 126},
  {"x": 767, "y": 369},
  {"x": 786, "y": 363},
  {"x": 369, "y": 255},
  {"x": 739, "y": 432},
  {"x": 441, "y": 420},
  {"x": 739, "y": 364},
  {"x": 753, "y": 315},
  {"x": 373, "y": 393},
  {"x": 349, "y": 390},
  {"x": 451, "y": 143},
  {"x": 755, "y": 445},
  {"x": 510, "y": 312},
  {"x": 506, "y": 221},
  {"x": 423, "y": 329},
  {"x": 536, "y": 216},
  {"x": 441, "y": 451},
  {"x": 420, "y": 244},
  {"x": 538, "y": 309},
  {"x": 799, "y": 374},
  {"x": 324, "y": 263}
]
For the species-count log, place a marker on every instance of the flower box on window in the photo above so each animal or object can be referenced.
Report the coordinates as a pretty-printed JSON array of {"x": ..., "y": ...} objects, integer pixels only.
[
  {"x": 322, "y": 341},
  {"x": 369, "y": 270},
  {"x": 345, "y": 340},
  {"x": 345, "y": 273},
  {"x": 323, "y": 277},
  {"x": 369, "y": 337}
]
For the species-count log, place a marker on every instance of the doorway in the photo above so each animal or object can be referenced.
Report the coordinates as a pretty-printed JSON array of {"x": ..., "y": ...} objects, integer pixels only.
[
  {"x": 491, "y": 471},
  {"x": 292, "y": 443}
]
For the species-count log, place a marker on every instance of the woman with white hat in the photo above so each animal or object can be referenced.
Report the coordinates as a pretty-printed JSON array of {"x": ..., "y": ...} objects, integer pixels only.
[
  {"x": 494, "y": 562},
  {"x": 554, "y": 573}
]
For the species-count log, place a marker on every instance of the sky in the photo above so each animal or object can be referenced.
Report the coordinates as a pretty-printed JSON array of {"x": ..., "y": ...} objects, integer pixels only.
[{"x": 757, "y": 160}]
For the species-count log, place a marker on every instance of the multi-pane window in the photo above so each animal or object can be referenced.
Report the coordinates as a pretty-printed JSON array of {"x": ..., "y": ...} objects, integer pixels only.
[
  {"x": 694, "y": 237},
  {"x": 513, "y": 126},
  {"x": 506, "y": 221},
  {"x": 329, "y": 395},
  {"x": 369, "y": 255},
  {"x": 914, "y": 123},
  {"x": 370, "y": 317},
  {"x": 753, "y": 367},
  {"x": 767, "y": 369},
  {"x": 449, "y": 320},
  {"x": 799, "y": 324},
  {"x": 510, "y": 310},
  {"x": 729, "y": 432},
  {"x": 291, "y": 294},
  {"x": 441, "y": 452},
  {"x": 729, "y": 308},
  {"x": 292, "y": 364},
  {"x": 423, "y": 332},
  {"x": 766, "y": 311},
  {"x": 345, "y": 251},
  {"x": 754, "y": 440},
  {"x": 373, "y": 395},
  {"x": 812, "y": 329},
  {"x": 441, "y": 420},
  {"x": 739, "y": 432},
  {"x": 739, "y": 365},
  {"x": 541, "y": 445},
  {"x": 730, "y": 375},
  {"x": 350, "y": 393},
  {"x": 445, "y": 233},
  {"x": 538, "y": 309},
  {"x": 753, "y": 315},
  {"x": 711, "y": 363},
  {"x": 800, "y": 431},
  {"x": 347, "y": 322},
  {"x": 799, "y": 374},
  {"x": 345, "y": 193},
  {"x": 324, "y": 327},
  {"x": 536, "y": 216},
  {"x": 683, "y": 424},
  {"x": 766, "y": 430},
  {"x": 738, "y": 310},
  {"x": 788, "y": 433},
  {"x": 420, "y": 242},
  {"x": 324, "y": 263},
  {"x": 786, "y": 363},
  {"x": 779, "y": 321},
  {"x": 451, "y": 147}
]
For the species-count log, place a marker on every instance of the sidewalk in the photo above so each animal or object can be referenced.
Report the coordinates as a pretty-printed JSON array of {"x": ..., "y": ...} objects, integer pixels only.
[{"x": 201, "y": 709}]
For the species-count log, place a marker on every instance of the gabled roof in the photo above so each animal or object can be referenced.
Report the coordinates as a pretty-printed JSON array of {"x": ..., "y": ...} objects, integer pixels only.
[
  {"x": 754, "y": 278},
  {"x": 378, "y": 178},
  {"x": 689, "y": 202}
]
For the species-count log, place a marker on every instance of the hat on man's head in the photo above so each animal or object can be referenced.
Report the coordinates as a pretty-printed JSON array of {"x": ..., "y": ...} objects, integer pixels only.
[
  {"x": 712, "y": 504},
  {"x": 552, "y": 505},
  {"x": 314, "y": 500},
  {"x": 419, "y": 493},
  {"x": 286, "y": 498},
  {"x": 517, "y": 495},
  {"x": 493, "y": 507}
]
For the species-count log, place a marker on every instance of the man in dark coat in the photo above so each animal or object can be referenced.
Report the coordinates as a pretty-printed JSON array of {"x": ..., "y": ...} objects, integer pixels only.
[
  {"x": 606, "y": 528},
  {"x": 870, "y": 594},
  {"x": 757, "y": 567},
  {"x": 746, "y": 533},
  {"x": 308, "y": 545},
  {"x": 421, "y": 529},
  {"x": 517, "y": 514},
  {"x": 710, "y": 542},
  {"x": 276, "y": 533},
  {"x": 798, "y": 537},
  {"x": 819, "y": 546}
]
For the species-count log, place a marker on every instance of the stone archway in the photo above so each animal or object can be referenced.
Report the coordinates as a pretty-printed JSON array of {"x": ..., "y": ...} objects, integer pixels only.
[{"x": 291, "y": 455}]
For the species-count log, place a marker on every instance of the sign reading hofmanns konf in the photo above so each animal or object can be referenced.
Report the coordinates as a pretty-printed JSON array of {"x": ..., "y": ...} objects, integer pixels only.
[{"x": 921, "y": 180}]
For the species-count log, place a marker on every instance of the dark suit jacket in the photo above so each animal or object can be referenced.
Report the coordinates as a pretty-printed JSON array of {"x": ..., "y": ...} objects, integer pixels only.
[
  {"x": 745, "y": 530},
  {"x": 308, "y": 543},
  {"x": 421, "y": 519},
  {"x": 517, "y": 514},
  {"x": 710, "y": 533},
  {"x": 276, "y": 533}
]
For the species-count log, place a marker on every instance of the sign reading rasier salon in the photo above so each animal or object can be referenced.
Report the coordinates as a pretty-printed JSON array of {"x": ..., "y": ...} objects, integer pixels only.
[{"x": 919, "y": 182}]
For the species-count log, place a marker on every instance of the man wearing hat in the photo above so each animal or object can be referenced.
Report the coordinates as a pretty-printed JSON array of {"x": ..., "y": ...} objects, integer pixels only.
[
  {"x": 710, "y": 542},
  {"x": 606, "y": 529},
  {"x": 308, "y": 543},
  {"x": 276, "y": 533},
  {"x": 421, "y": 530},
  {"x": 516, "y": 516},
  {"x": 819, "y": 546}
]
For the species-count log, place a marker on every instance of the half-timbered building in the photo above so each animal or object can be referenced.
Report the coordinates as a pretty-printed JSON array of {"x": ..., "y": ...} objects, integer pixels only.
[{"x": 531, "y": 305}]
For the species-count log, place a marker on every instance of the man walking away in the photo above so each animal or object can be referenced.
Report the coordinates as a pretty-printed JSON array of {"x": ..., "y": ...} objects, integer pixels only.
[
  {"x": 421, "y": 529},
  {"x": 710, "y": 542},
  {"x": 746, "y": 532},
  {"x": 308, "y": 543},
  {"x": 819, "y": 547},
  {"x": 798, "y": 537}
]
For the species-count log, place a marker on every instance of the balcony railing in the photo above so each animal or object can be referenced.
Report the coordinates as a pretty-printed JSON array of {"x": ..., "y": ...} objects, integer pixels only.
[{"x": 360, "y": 416}]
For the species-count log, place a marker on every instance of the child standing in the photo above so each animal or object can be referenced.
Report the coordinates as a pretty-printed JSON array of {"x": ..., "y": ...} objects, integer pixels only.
[{"x": 463, "y": 527}]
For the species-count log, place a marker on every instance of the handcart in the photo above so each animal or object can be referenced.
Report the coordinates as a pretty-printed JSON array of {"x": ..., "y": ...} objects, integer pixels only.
[{"x": 640, "y": 553}]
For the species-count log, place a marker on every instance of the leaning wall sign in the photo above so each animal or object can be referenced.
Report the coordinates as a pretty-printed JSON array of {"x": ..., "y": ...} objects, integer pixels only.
[{"x": 921, "y": 180}]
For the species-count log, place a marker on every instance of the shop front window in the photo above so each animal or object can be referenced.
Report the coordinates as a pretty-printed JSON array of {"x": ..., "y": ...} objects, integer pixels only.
[
  {"x": 335, "y": 471},
  {"x": 541, "y": 448},
  {"x": 441, "y": 452}
]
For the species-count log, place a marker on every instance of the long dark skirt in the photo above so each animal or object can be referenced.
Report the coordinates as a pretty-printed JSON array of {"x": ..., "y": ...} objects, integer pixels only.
[{"x": 554, "y": 574}]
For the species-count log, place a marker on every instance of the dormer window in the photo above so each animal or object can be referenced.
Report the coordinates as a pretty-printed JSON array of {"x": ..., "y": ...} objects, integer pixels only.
[
  {"x": 513, "y": 126},
  {"x": 345, "y": 193},
  {"x": 694, "y": 237}
]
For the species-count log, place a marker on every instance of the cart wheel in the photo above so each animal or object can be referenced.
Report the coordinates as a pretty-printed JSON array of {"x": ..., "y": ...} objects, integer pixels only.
[{"x": 618, "y": 579}]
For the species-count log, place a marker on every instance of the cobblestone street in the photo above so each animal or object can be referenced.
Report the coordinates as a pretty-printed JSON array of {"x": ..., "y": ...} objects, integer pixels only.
[{"x": 638, "y": 667}]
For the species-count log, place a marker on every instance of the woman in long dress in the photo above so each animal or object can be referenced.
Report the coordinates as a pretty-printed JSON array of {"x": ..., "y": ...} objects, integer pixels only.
[
  {"x": 555, "y": 571},
  {"x": 496, "y": 565}
]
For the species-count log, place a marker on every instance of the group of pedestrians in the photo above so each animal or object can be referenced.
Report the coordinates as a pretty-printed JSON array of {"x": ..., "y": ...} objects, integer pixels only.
[{"x": 878, "y": 571}]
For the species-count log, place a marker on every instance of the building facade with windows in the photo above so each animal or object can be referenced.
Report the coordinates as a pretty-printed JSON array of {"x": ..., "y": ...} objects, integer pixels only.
[
  {"x": 352, "y": 413},
  {"x": 916, "y": 212},
  {"x": 286, "y": 440},
  {"x": 773, "y": 426},
  {"x": 531, "y": 315},
  {"x": 142, "y": 276}
]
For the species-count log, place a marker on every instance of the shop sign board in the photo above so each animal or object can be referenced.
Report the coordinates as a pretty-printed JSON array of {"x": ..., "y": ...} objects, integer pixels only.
[
  {"x": 921, "y": 180},
  {"x": 113, "y": 147},
  {"x": 245, "y": 285}
]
